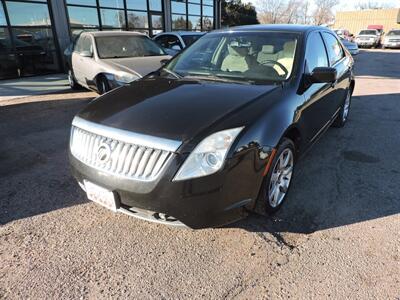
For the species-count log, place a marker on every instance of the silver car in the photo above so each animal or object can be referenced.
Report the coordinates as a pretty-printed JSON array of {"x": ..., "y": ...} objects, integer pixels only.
[
  {"x": 104, "y": 60},
  {"x": 392, "y": 39}
]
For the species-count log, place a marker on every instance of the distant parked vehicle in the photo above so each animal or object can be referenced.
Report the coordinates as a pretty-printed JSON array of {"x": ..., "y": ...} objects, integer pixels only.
[
  {"x": 392, "y": 39},
  {"x": 379, "y": 28},
  {"x": 104, "y": 60},
  {"x": 352, "y": 47},
  {"x": 368, "y": 38},
  {"x": 174, "y": 42},
  {"x": 344, "y": 34}
]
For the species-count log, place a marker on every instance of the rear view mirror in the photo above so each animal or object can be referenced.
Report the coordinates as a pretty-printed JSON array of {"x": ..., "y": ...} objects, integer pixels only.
[{"x": 323, "y": 75}]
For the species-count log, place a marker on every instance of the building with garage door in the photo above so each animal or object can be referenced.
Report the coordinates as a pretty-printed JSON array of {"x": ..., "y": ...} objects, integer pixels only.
[{"x": 35, "y": 33}]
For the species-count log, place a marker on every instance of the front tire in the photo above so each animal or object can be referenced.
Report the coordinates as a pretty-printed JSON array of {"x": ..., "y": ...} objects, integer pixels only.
[
  {"x": 102, "y": 85},
  {"x": 344, "y": 111},
  {"x": 72, "y": 81},
  {"x": 276, "y": 184}
]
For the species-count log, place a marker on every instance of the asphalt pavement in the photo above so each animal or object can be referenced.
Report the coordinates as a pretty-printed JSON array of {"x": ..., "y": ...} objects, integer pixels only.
[{"x": 338, "y": 235}]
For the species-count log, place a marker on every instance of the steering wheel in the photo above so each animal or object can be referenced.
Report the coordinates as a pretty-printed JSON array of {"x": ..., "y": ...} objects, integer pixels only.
[{"x": 273, "y": 63}]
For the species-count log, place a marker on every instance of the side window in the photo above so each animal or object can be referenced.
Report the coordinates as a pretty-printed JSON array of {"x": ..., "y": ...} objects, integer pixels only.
[
  {"x": 315, "y": 52},
  {"x": 335, "y": 51},
  {"x": 84, "y": 43},
  {"x": 87, "y": 44},
  {"x": 78, "y": 45}
]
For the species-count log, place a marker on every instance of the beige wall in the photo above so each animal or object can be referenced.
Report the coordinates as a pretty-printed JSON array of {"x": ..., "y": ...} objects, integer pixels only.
[{"x": 355, "y": 21}]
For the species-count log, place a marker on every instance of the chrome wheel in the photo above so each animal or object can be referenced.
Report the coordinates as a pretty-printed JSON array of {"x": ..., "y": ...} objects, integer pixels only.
[
  {"x": 280, "y": 178},
  {"x": 346, "y": 107}
]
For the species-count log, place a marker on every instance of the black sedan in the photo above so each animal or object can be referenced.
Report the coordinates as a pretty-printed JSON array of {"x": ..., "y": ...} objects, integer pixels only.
[{"x": 217, "y": 131}]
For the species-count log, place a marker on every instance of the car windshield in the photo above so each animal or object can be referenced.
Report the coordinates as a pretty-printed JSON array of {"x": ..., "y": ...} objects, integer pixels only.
[
  {"x": 252, "y": 57},
  {"x": 368, "y": 32},
  {"x": 190, "y": 39},
  {"x": 394, "y": 32},
  {"x": 126, "y": 46}
]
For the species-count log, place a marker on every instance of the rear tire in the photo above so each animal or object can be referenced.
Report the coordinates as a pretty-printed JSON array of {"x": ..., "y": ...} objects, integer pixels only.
[
  {"x": 102, "y": 85},
  {"x": 344, "y": 111},
  {"x": 277, "y": 182},
  {"x": 72, "y": 81}
]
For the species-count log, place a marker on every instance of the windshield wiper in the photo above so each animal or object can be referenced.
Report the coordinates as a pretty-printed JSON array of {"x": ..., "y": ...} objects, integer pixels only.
[
  {"x": 175, "y": 74},
  {"x": 219, "y": 78}
]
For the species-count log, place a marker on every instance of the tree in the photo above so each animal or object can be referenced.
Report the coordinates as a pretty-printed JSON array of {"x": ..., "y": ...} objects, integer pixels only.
[
  {"x": 235, "y": 13},
  {"x": 283, "y": 11},
  {"x": 323, "y": 12}
]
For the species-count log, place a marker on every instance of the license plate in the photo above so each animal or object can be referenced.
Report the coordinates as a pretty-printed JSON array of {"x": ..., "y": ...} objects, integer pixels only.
[{"x": 100, "y": 195}]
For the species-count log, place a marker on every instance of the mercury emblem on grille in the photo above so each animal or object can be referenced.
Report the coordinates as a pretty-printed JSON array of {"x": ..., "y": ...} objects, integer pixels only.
[{"x": 103, "y": 152}]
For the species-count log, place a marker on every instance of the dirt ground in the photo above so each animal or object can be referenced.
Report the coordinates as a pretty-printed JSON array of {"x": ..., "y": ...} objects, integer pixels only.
[{"x": 338, "y": 235}]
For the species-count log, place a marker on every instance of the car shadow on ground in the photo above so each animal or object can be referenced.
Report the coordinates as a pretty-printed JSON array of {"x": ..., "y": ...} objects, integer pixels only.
[{"x": 34, "y": 172}]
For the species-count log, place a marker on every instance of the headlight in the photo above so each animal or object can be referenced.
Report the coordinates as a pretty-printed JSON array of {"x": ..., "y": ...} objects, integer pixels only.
[
  {"x": 125, "y": 77},
  {"x": 208, "y": 157}
]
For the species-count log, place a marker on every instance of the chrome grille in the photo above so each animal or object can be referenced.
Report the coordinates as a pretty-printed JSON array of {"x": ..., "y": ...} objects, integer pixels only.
[{"x": 118, "y": 157}]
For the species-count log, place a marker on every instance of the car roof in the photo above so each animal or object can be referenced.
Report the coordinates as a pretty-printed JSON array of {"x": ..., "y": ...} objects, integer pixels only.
[
  {"x": 275, "y": 27},
  {"x": 183, "y": 33},
  {"x": 114, "y": 33}
]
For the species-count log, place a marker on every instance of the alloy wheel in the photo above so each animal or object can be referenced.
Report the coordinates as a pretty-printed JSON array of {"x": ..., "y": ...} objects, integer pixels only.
[{"x": 280, "y": 178}]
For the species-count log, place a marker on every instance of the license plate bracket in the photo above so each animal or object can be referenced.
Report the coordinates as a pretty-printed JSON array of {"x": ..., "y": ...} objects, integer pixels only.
[{"x": 101, "y": 195}]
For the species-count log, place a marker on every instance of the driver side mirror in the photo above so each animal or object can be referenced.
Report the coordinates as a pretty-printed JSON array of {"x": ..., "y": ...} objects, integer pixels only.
[{"x": 323, "y": 75}]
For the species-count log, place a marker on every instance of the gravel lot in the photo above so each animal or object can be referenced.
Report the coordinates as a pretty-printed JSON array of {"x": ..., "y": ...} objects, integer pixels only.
[{"x": 338, "y": 236}]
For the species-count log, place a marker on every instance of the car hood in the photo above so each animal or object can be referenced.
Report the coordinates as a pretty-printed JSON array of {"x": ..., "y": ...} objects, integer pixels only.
[
  {"x": 172, "y": 109},
  {"x": 136, "y": 65}
]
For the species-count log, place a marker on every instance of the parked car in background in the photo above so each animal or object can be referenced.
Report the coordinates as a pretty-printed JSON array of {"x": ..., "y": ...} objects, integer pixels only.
[
  {"x": 392, "y": 39},
  {"x": 104, "y": 60},
  {"x": 352, "y": 47},
  {"x": 174, "y": 42},
  {"x": 368, "y": 38},
  {"x": 344, "y": 34},
  {"x": 218, "y": 130}
]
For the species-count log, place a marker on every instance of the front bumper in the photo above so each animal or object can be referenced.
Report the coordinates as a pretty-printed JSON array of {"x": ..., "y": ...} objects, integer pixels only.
[
  {"x": 391, "y": 45},
  {"x": 214, "y": 200},
  {"x": 366, "y": 43}
]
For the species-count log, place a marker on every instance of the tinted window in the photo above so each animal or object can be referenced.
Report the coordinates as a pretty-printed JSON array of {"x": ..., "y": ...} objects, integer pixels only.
[
  {"x": 136, "y": 4},
  {"x": 137, "y": 19},
  {"x": 112, "y": 18},
  {"x": 190, "y": 39},
  {"x": 315, "y": 52},
  {"x": 83, "y": 16},
  {"x": 112, "y": 3},
  {"x": 155, "y": 5},
  {"x": 335, "y": 51},
  {"x": 126, "y": 46},
  {"x": 168, "y": 41},
  {"x": 2, "y": 16},
  {"x": 28, "y": 14}
]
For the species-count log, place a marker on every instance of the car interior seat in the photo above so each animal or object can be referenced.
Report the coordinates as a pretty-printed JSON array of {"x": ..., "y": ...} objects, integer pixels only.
[
  {"x": 286, "y": 57},
  {"x": 237, "y": 60}
]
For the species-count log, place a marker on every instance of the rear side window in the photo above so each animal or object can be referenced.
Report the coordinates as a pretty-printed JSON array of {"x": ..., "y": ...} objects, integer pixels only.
[
  {"x": 335, "y": 51},
  {"x": 315, "y": 52},
  {"x": 83, "y": 43}
]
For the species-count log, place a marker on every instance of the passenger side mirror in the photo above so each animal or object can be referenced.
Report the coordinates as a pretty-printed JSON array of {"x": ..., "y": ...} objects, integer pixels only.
[
  {"x": 323, "y": 75},
  {"x": 86, "y": 54}
]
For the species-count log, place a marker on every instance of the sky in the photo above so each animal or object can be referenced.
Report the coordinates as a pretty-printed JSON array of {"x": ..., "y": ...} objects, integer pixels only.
[{"x": 346, "y": 4}]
